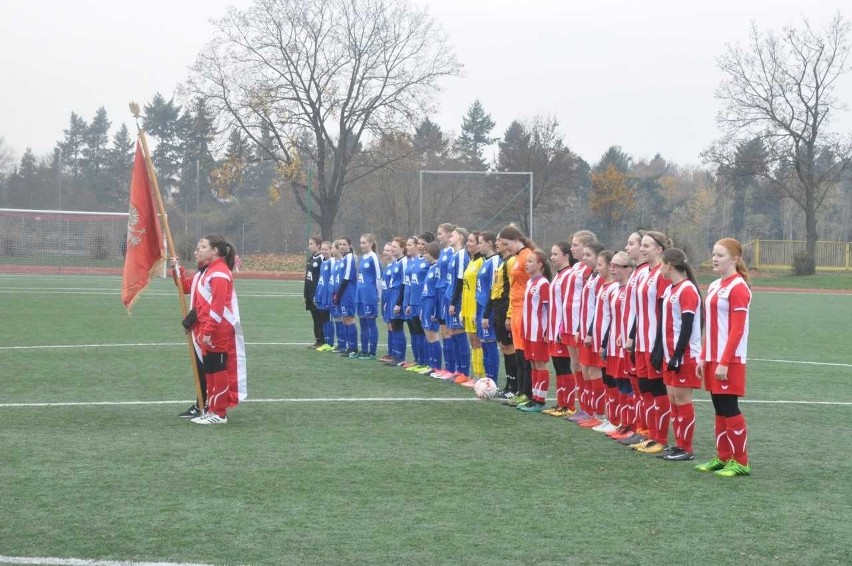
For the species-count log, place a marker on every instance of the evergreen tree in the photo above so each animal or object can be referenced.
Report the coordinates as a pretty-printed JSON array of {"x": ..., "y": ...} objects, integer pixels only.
[
  {"x": 22, "y": 183},
  {"x": 94, "y": 154},
  {"x": 431, "y": 146},
  {"x": 198, "y": 162},
  {"x": 73, "y": 144},
  {"x": 162, "y": 121},
  {"x": 475, "y": 137},
  {"x": 118, "y": 169}
]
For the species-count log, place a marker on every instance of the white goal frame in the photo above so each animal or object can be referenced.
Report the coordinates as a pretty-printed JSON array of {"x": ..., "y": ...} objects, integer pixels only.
[{"x": 487, "y": 174}]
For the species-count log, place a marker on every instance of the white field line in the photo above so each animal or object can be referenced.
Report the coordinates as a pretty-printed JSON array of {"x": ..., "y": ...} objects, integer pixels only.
[
  {"x": 140, "y": 345},
  {"x": 800, "y": 362},
  {"x": 51, "y": 561},
  {"x": 360, "y": 400},
  {"x": 174, "y": 344},
  {"x": 111, "y": 292},
  {"x": 283, "y": 400}
]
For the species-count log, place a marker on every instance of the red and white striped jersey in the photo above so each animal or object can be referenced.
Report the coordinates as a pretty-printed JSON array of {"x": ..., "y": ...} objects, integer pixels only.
[
  {"x": 726, "y": 336},
  {"x": 558, "y": 288},
  {"x": 588, "y": 303},
  {"x": 619, "y": 299},
  {"x": 677, "y": 300},
  {"x": 535, "y": 309},
  {"x": 628, "y": 313},
  {"x": 648, "y": 292},
  {"x": 576, "y": 281},
  {"x": 603, "y": 312}
]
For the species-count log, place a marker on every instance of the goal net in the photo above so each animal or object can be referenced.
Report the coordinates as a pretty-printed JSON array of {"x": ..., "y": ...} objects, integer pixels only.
[
  {"x": 62, "y": 242},
  {"x": 476, "y": 200}
]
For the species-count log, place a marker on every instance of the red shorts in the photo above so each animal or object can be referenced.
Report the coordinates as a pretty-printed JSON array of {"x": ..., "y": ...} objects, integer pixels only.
[
  {"x": 557, "y": 350},
  {"x": 587, "y": 357},
  {"x": 734, "y": 385},
  {"x": 536, "y": 351},
  {"x": 570, "y": 341},
  {"x": 614, "y": 366},
  {"x": 685, "y": 377},
  {"x": 644, "y": 367},
  {"x": 641, "y": 364}
]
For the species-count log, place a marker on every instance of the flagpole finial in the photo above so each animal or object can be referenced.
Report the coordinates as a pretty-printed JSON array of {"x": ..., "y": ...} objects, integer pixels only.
[{"x": 135, "y": 110}]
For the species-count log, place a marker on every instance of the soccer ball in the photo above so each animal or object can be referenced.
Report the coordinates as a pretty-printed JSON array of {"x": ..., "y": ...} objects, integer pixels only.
[{"x": 485, "y": 388}]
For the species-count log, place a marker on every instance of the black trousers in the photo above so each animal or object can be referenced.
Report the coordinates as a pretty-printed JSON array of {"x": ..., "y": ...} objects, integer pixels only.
[{"x": 317, "y": 320}]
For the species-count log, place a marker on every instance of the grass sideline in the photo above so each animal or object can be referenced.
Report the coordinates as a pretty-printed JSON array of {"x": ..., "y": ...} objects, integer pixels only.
[
  {"x": 786, "y": 279},
  {"x": 385, "y": 482}
]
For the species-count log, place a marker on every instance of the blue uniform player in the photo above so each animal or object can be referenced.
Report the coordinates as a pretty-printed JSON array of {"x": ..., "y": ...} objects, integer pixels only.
[
  {"x": 345, "y": 294},
  {"x": 369, "y": 292}
]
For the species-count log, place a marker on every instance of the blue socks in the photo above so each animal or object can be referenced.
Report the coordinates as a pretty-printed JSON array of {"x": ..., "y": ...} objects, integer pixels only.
[
  {"x": 491, "y": 359},
  {"x": 328, "y": 332},
  {"x": 462, "y": 353}
]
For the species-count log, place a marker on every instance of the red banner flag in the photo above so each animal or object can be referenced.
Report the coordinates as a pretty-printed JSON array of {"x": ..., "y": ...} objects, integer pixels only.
[{"x": 144, "y": 236}]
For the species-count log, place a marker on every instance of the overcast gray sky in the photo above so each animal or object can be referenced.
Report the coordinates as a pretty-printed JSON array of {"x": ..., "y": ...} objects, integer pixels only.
[{"x": 640, "y": 74}]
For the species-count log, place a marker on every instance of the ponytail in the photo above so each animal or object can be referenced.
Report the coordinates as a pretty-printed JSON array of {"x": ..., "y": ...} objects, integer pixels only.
[
  {"x": 545, "y": 263},
  {"x": 511, "y": 232},
  {"x": 224, "y": 248}
]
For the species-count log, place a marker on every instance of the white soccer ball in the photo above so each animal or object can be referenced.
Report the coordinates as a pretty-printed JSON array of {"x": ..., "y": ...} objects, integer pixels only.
[{"x": 485, "y": 388}]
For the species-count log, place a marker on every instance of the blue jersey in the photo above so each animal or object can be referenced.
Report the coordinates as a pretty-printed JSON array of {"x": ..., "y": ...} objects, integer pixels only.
[
  {"x": 485, "y": 278},
  {"x": 430, "y": 284},
  {"x": 455, "y": 276},
  {"x": 325, "y": 285},
  {"x": 369, "y": 280},
  {"x": 444, "y": 259},
  {"x": 392, "y": 280},
  {"x": 396, "y": 274},
  {"x": 415, "y": 278},
  {"x": 346, "y": 271}
]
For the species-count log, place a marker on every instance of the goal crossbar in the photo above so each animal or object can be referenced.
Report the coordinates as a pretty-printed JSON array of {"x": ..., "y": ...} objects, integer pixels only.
[{"x": 487, "y": 174}]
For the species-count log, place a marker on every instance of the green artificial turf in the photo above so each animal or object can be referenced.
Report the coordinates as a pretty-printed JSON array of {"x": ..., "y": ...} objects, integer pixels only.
[{"x": 308, "y": 472}]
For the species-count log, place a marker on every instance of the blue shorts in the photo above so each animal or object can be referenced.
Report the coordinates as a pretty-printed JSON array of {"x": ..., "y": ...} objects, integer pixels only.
[
  {"x": 453, "y": 321},
  {"x": 440, "y": 307},
  {"x": 485, "y": 334},
  {"x": 366, "y": 310},
  {"x": 390, "y": 298},
  {"x": 428, "y": 310},
  {"x": 346, "y": 311}
]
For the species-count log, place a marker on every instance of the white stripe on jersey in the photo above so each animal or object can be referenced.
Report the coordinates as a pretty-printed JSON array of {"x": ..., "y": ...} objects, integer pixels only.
[
  {"x": 723, "y": 297},
  {"x": 557, "y": 303},
  {"x": 674, "y": 299},
  {"x": 535, "y": 309}
]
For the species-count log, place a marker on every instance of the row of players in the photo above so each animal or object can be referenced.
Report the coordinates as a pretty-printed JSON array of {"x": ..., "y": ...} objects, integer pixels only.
[{"x": 623, "y": 330}]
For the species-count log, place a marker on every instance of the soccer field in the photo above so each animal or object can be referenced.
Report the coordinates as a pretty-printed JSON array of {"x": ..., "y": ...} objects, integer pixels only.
[{"x": 337, "y": 461}]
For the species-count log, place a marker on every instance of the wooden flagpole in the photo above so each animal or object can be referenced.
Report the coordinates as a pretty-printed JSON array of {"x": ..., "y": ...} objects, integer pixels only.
[{"x": 152, "y": 176}]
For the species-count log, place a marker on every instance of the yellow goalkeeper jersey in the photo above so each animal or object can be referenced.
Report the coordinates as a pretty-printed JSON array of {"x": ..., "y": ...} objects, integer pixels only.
[{"x": 468, "y": 304}]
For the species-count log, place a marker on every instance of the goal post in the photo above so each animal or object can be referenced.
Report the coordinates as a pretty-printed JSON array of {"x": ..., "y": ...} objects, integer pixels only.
[
  {"x": 497, "y": 208},
  {"x": 62, "y": 242}
]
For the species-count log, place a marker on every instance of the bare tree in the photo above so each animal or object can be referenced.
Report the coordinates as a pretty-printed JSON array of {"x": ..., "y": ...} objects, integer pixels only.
[
  {"x": 780, "y": 89},
  {"x": 342, "y": 71}
]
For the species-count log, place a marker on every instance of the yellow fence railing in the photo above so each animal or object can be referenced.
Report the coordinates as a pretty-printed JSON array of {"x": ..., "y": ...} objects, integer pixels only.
[{"x": 779, "y": 254}]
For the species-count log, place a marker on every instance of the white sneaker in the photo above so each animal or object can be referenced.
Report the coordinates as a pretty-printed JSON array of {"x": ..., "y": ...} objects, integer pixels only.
[
  {"x": 604, "y": 427},
  {"x": 210, "y": 418}
]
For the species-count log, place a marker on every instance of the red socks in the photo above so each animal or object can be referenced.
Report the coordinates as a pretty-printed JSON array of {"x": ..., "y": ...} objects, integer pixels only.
[
  {"x": 570, "y": 391},
  {"x": 738, "y": 438},
  {"x": 683, "y": 422},
  {"x": 724, "y": 448},
  {"x": 540, "y": 384},
  {"x": 662, "y": 416}
]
